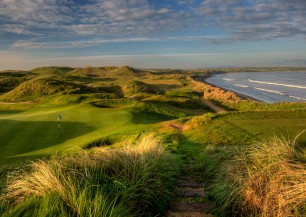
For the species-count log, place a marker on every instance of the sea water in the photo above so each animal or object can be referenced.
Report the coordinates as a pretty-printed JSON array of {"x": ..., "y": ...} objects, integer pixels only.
[{"x": 269, "y": 87}]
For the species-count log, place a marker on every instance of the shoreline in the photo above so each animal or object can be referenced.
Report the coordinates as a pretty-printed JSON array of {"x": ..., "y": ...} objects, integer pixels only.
[{"x": 204, "y": 78}]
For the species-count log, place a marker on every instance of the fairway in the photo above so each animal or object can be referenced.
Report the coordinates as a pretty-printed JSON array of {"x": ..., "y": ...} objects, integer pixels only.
[
  {"x": 164, "y": 84},
  {"x": 285, "y": 127},
  {"x": 39, "y": 132}
]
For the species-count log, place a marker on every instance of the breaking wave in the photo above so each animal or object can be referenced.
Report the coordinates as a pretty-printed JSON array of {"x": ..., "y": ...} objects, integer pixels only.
[
  {"x": 270, "y": 91},
  {"x": 277, "y": 84},
  {"x": 299, "y": 98},
  {"x": 240, "y": 85},
  {"x": 227, "y": 79}
]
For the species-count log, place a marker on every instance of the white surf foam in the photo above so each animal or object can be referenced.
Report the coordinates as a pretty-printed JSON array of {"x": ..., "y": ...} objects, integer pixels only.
[
  {"x": 299, "y": 98},
  {"x": 270, "y": 91},
  {"x": 227, "y": 79},
  {"x": 240, "y": 85},
  {"x": 278, "y": 84}
]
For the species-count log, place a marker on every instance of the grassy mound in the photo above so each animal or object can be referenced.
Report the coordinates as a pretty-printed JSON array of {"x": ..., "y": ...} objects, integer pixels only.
[
  {"x": 266, "y": 179},
  {"x": 125, "y": 71},
  {"x": 41, "y": 89},
  {"x": 52, "y": 70},
  {"x": 8, "y": 83},
  {"x": 12, "y": 73},
  {"x": 11, "y": 79},
  {"x": 104, "y": 87},
  {"x": 180, "y": 102},
  {"x": 34, "y": 89},
  {"x": 133, "y": 181},
  {"x": 138, "y": 87},
  {"x": 108, "y": 71},
  {"x": 92, "y": 72}
]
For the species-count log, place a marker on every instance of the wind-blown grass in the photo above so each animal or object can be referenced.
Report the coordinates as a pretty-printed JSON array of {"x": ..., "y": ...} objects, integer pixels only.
[
  {"x": 266, "y": 179},
  {"x": 130, "y": 181}
]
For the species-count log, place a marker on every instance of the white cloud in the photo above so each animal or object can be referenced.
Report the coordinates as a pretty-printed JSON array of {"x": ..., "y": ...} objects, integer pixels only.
[
  {"x": 96, "y": 17},
  {"x": 57, "y": 20},
  {"x": 257, "y": 19}
]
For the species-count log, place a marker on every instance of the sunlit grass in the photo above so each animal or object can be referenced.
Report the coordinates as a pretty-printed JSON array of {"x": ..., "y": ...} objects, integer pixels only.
[
  {"x": 131, "y": 181},
  {"x": 265, "y": 179}
]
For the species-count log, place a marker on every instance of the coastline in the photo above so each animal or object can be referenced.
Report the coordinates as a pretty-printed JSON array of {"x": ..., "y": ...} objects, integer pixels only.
[{"x": 204, "y": 78}]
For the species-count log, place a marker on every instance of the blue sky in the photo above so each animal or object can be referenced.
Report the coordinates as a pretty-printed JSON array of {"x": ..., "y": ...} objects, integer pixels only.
[{"x": 152, "y": 33}]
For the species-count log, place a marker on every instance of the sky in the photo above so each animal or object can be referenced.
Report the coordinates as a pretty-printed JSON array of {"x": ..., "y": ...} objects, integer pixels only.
[{"x": 152, "y": 33}]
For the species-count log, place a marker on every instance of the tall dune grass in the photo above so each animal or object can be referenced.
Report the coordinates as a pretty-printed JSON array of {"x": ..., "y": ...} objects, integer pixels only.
[
  {"x": 132, "y": 181},
  {"x": 266, "y": 179}
]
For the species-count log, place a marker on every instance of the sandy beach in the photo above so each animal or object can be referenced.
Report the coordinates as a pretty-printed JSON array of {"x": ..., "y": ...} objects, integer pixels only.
[{"x": 243, "y": 96}]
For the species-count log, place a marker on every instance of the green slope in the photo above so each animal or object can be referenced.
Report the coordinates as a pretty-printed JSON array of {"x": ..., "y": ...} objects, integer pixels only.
[{"x": 36, "y": 132}]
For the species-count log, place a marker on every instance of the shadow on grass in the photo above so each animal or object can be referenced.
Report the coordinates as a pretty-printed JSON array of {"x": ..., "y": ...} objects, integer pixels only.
[
  {"x": 146, "y": 117},
  {"x": 10, "y": 112},
  {"x": 20, "y": 137},
  {"x": 166, "y": 86}
]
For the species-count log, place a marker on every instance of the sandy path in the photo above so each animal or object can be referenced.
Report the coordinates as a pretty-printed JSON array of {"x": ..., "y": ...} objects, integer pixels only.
[{"x": 211, "y": 105}]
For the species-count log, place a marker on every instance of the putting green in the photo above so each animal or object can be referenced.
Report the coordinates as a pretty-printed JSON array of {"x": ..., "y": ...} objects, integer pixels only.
[{"x": 39, "y": 132}]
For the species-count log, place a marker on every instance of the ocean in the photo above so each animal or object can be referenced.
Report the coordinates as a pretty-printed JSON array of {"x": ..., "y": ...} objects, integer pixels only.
[{"x": 269, "y": 87}]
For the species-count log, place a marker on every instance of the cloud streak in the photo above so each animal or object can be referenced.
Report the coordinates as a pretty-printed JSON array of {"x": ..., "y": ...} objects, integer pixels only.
[
  {"x": 35, "y": 44},
  {"x": 239, "y": 19},
  {"x": 257, "y": 19}
]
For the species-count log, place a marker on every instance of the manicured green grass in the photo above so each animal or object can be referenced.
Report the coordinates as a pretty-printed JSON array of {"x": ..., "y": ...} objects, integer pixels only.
[
  {"x": 264, "y": 125},
  {"x": 279, "y": 127},
  {"x": 38, "y": 132},
  {"x": 183, "y": 92}
]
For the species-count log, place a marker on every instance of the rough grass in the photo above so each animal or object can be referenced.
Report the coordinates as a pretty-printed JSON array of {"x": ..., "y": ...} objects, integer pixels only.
[
  {"x": 11, "y": 79},
  {"x": 135, "y": 180},
  {"x": 265, "y": 179},
  {"x": 135, "y": 87},
  {"x": 180, "y": 102},
  {"x": 9, "y": 83},
  {"x": 163, "y": 84},
  {"x": 184, "y": 92},
  {"x": 125, "y": 72},
  {"x": 249, "y": 177},
  {"x": 36, "y": 89},
  {"x": 44, "y": 89},
  {"x": 52, "y": 70}
]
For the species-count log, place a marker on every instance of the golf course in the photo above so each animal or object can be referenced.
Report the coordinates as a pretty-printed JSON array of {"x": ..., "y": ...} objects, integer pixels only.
[
  {"x": 39, "y": 132},
  {"x": 119, "y": 141}
]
